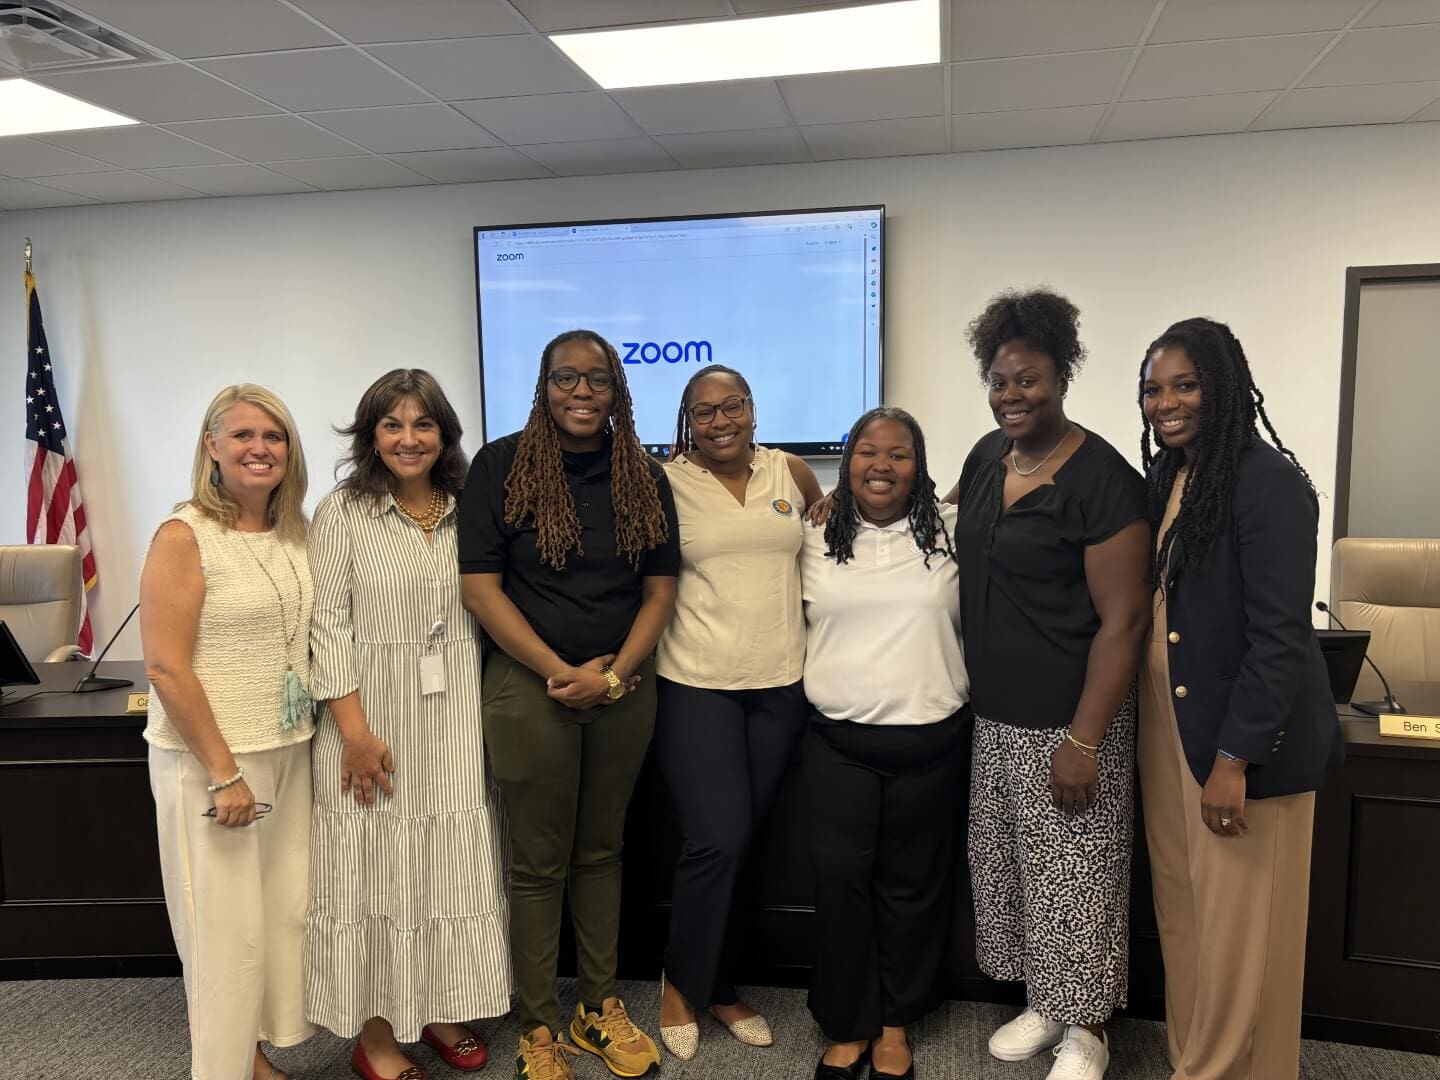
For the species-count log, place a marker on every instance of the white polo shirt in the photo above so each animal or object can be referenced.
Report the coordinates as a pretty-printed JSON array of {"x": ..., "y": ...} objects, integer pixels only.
[{"x": 883, "y": 630}]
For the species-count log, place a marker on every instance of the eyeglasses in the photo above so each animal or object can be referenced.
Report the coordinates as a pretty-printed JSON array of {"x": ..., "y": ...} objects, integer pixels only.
[
  {"x": 567, "y": 379},
  {"x": 261, "y": 809},
  {"x": 733, "y": 407}
]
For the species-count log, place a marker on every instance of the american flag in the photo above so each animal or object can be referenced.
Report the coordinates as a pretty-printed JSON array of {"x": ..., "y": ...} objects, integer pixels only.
[{"x": 54, "y": 513}]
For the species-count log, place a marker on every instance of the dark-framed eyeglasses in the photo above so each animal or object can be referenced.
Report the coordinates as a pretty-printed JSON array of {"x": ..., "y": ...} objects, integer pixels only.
[
  {"x": 261, "y": 809},
  {"x": 567, "y": 379},
  {"x": 733, "y": 407}
]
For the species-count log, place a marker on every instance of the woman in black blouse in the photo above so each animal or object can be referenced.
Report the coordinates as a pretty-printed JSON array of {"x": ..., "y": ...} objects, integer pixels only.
[
  {"x": 1237, "y": 726},
  {"x": 1053, "y": 547},
  {"x": 569, "y": 550}
]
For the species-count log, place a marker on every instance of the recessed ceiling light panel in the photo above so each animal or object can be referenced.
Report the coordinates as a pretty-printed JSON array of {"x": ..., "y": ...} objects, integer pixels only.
[
  {"x": 28, "y": 108},
  {"x": 897, "y": 34}
]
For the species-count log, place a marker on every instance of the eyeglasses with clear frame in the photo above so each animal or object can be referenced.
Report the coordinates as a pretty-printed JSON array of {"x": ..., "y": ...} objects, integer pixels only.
[
  {"x": 566, "y": 379},
  {"x": 733, "y": 407}
]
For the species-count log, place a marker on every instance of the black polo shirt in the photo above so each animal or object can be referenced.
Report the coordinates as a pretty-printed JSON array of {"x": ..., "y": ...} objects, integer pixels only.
[
  {"x": 1025, "y": 605},
  {"x": 585, "y": 610}
]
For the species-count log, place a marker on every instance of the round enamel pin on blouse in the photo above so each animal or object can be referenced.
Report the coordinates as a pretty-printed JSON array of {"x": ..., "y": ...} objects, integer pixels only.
[{"x": 782, "y": 507}]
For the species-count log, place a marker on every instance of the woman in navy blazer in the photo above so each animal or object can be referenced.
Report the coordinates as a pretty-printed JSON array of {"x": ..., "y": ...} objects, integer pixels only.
[{"x": 1237, "y": 727}]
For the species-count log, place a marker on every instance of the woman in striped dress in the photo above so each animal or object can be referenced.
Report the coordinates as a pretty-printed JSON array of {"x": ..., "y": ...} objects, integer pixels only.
[{"x": 407, "y": 933}]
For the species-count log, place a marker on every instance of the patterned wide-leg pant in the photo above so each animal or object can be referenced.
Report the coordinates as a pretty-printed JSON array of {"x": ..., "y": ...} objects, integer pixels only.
[{"x": 1052, "y": 891}]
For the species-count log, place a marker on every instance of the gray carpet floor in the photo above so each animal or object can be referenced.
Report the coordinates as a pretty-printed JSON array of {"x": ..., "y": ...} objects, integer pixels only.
[{"x": 122, "y": 1028}]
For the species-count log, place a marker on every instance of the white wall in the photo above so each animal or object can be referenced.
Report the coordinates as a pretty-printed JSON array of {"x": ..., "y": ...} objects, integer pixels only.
[{"x": 151, "y": 307}]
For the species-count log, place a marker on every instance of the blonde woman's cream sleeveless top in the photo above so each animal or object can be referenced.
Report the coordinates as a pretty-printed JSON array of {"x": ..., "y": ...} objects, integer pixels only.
[
  {"x": 254, "y": 625},
  {"x": 738, "y": 622}
]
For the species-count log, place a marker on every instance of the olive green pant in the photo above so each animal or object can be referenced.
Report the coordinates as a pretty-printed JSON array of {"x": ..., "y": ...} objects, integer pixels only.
[{"x": 566, "y": 777}]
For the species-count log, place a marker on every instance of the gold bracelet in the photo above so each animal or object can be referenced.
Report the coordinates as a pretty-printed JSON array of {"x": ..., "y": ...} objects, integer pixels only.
[{"x": 1091, "y": 752}]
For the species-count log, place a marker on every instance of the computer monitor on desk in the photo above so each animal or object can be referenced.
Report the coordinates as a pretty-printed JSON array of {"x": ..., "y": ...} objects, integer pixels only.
[{"x": 14, "y": 667}]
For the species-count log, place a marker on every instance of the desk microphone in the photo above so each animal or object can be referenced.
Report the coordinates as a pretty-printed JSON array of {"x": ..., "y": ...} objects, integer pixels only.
[
  {"x": 1374, "y": 708},
  {"x": 92, "y": 682}
]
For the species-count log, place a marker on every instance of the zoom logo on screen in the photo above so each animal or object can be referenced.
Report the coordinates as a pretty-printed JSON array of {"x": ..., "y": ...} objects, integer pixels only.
[
  {"x": 510, "y": 256},
  {"x": 672, "y": 352}
]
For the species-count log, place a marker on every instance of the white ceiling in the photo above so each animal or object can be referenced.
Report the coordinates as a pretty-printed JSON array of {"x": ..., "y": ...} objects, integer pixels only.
[{"x": 270, "y": 96}]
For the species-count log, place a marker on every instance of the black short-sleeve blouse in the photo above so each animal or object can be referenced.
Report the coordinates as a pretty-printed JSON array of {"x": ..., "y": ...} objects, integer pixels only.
[
  {"x": 1025, "y": 604},
  {"x": 585, "y": 610}
]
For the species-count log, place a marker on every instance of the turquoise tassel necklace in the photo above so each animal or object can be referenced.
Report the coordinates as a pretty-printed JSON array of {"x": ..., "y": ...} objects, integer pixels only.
[{"x": 297, "y": 703}]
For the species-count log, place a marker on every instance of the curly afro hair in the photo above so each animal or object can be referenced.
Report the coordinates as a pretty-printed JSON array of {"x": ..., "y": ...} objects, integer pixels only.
[{"x": 1043, "y": 320}]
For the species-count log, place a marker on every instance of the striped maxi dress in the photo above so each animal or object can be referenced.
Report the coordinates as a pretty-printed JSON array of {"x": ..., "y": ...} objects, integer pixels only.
[{"x": 408, "y": 916}]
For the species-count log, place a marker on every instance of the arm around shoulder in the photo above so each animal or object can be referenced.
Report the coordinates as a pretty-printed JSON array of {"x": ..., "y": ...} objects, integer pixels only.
[{"x": 804, "y": 478}]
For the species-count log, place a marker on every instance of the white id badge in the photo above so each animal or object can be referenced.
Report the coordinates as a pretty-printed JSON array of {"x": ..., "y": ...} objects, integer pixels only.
[{"x": 432, "y": 673}]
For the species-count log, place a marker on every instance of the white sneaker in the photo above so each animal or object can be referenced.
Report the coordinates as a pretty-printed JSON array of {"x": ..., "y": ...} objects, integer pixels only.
[
  {"x": 1081, "y": 1056},
  {"x": 1025, "y": 1036}
]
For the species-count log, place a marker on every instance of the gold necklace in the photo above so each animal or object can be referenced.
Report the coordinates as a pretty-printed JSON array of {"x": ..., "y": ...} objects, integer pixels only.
[
  {"x": 433, "y": 512},
  {"x": 1015, "y": 461}
]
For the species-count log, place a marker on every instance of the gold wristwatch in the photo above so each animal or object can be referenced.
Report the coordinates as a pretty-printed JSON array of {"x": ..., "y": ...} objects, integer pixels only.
[{"x": 617, "y": 687}]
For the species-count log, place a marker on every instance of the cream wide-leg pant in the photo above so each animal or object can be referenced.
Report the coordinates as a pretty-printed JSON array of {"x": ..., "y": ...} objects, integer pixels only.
[{"x": 237, "y": 899}]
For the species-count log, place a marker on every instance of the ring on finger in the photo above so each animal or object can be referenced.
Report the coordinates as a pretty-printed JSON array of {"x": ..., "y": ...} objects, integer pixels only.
[{"x": 1226, "y": 822}]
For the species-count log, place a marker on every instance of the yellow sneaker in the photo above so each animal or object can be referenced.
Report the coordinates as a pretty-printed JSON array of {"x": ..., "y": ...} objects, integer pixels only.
[
  {"x": 614, "y": 1039},
  {"x": 540, "y": 1057}
]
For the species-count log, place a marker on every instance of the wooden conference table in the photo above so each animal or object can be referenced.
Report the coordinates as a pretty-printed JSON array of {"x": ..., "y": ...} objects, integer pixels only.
[{"x": 80, "y": 891}]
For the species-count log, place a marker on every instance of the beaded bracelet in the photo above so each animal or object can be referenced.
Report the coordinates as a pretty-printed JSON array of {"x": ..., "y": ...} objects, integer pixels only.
[{"x": 239, "y": 775}]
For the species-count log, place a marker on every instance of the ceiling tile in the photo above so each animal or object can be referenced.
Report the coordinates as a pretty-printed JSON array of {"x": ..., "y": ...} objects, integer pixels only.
[
  {"x": 23, "y": 157},
  {"x": 19, "y": 195},
  {"x": 368, "y": 21},
  {"x": 983, "y": 29},
  {"x": 1322, "y": 106},
  {"x": 550, "y": 118},
  {"x": 1024, "y": 127},
  {"x": 724, "y": 106},
  {"x": 883, "y": 94},
  {"x": 230, "y": 180},
  {"x": 120, "y": 187},
  {"x": 316, "y": 79},
  {"x": 1403, "y": 12},
  {"x": 548, "y": 16},
  {"x": 1221, "y": 67},
  {"x": 266, "y": 138},
  {"x": 485, "y": 67},
  {"x": 190, "y": 28},
  {"x": 163, "y": 94},
  {"x": 877, "y": 138},
  {"x": 350, "y": 173},
  {"x": 139, "y": 147},
  {"x": 471, "y": 166},
  {"x": 717, "y": 149},
  {"x": 1184, "y": 116},
  {"x": 1198, "y": 20},
  {"x": 405, "y": 128},
  {"x": 1393, "y": 54},
  {"x": 1037, "y": 82},
  {"x": 607, "y": 156}
]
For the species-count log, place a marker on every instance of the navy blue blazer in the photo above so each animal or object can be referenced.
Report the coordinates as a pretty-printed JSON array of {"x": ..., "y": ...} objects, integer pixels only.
[{"x": 1246, "y": 672}]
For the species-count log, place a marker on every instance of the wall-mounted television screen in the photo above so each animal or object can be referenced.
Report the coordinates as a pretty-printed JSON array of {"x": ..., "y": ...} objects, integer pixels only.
[{"x": 794, "y": 300}]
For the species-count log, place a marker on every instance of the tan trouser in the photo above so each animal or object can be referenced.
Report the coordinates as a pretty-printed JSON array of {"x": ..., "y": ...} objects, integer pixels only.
[
  {"x": 237, "y": 899},
  {"x": 1231, "y": 910}
]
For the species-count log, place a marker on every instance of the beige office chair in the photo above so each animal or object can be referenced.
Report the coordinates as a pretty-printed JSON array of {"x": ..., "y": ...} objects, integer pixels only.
[
  {"x": 1390, "y": 587},
  {"x": 40, "y": 593}
]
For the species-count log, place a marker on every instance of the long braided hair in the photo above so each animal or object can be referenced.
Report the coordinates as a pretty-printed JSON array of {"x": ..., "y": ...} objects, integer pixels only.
[
  {"x": 843, "y": 523},
  {"x": 684, "y": 437},
  {"x": 536, "y": 488},
  {"x": 1230, "y": 404}
]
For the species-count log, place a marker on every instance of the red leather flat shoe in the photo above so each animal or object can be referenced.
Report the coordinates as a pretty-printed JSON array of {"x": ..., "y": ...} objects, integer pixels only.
[
  {"x": 468, "y": 1054},
  {"x": 361, "y": 1064}
]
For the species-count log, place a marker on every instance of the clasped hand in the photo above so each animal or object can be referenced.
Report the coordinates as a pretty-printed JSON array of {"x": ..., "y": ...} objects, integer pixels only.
[{"x": 585, "y": 687}]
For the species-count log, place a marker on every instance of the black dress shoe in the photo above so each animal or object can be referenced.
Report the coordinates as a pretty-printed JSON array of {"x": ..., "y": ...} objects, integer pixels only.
[
  {"x": 908, "y": 1074},
  {"x": 852, "y": 1071}
]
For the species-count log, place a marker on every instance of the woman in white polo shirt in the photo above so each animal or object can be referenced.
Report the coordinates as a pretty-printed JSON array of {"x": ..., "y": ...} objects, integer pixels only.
[
  {"x": 883, "y": 764},
  {"x": 730, "y": 705}
]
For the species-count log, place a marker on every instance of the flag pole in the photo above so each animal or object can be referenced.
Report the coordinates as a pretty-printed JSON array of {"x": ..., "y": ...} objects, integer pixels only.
[{"x": 29, "y": 255}]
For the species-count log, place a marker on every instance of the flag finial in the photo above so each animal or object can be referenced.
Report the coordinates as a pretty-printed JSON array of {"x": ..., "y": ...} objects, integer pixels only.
[{"x": 29, "y": 254}]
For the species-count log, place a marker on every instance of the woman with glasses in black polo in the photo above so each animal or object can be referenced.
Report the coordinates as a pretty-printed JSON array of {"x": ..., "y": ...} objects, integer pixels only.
[{"x": 731, "y": 706}]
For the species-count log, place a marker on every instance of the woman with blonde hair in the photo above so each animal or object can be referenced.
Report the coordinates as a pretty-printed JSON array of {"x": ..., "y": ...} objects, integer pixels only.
[{"x": 225, "y": 600}]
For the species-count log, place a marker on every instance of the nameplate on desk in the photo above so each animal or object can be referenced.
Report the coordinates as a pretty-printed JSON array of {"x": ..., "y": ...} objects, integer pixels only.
[
  {"x": 1411, "y": 727},
  {"x": 137, "y": 703}
]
